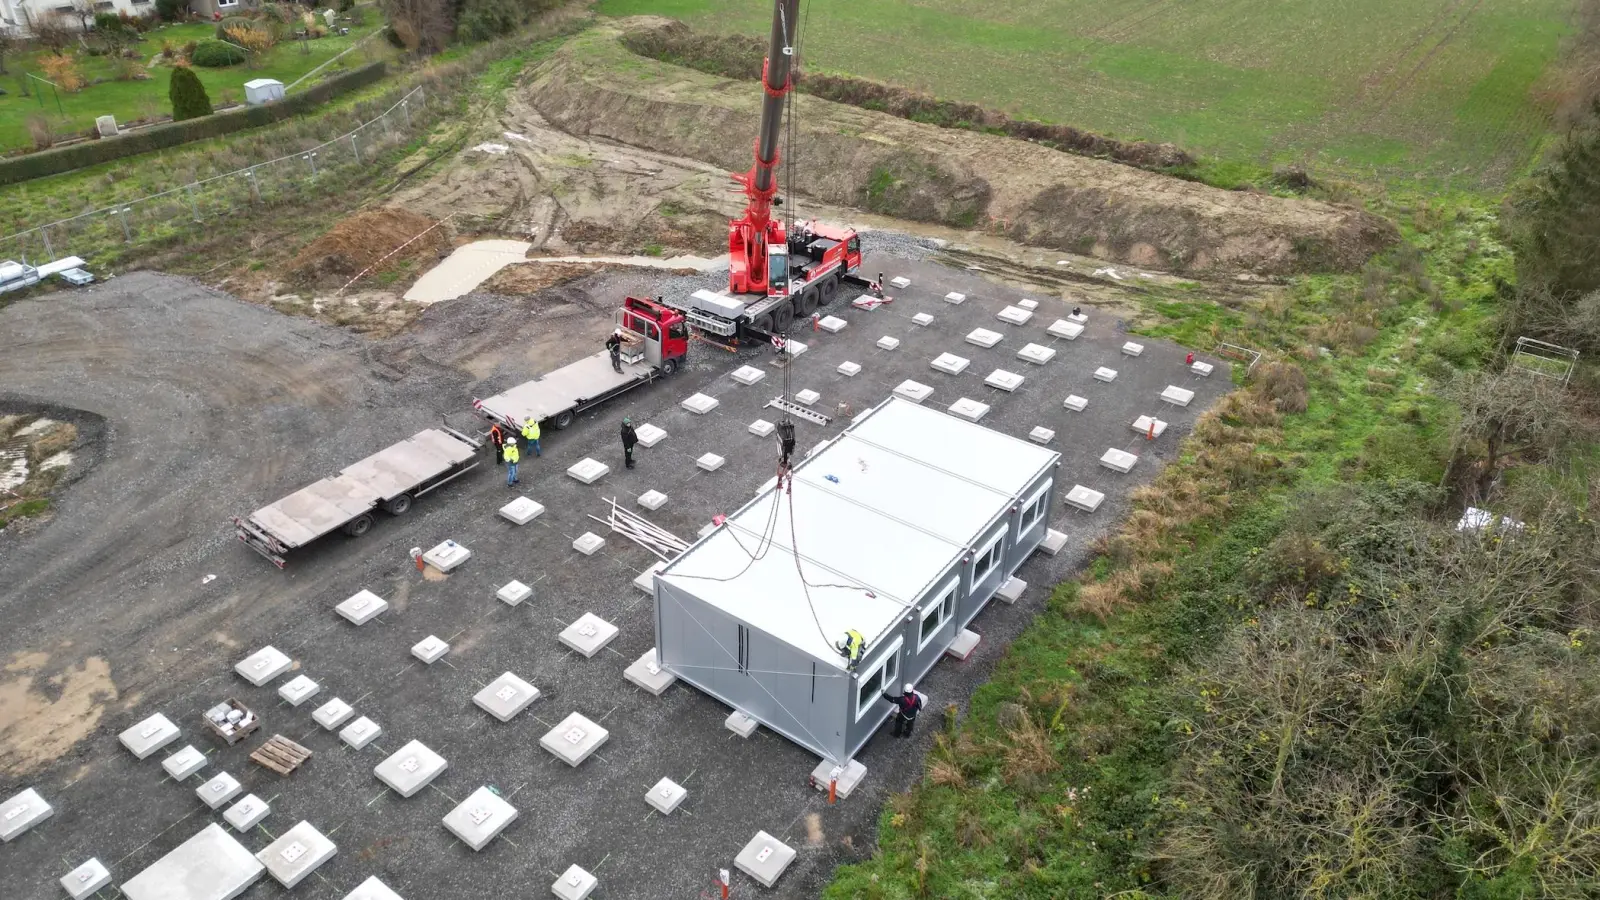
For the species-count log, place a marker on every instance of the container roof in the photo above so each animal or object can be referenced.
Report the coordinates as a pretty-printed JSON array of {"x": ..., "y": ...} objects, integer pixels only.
[{"x": 872, "y": 519}]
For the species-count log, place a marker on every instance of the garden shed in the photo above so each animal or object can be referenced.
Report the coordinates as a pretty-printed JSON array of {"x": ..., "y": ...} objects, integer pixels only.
[{"x": 901, "y": 528}]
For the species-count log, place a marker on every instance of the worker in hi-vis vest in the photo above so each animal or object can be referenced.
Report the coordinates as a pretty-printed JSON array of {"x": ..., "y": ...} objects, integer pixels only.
[
  {"x": 530, "y": 433},
  {"x": 511, "y": 463},
  {"x": 850, "y": 647}
]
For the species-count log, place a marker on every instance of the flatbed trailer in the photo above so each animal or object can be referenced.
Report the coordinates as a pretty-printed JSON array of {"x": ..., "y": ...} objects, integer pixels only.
[{"x": 389, "y": 479}]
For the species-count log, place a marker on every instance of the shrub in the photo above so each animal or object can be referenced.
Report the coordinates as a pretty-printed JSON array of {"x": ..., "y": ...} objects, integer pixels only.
[
  {"x": 216, "y": 55},
  {"x": 63, "y": 70},
  {"x": 188, "y": 50},
  {"x": 172, "y": 10},
  {"x": 235, "y": 22},
  {"x": 189, "y": 99},
  {"x": 39, "y": 129}
]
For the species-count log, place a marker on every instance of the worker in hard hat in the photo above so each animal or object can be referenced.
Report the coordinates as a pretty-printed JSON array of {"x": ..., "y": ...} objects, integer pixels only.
[
  {"x": 614, "y": 344},
  {"x": 497, "y": 443},
  {"x": 629, "y": 438},
  {"x": 530, "y": 433},
  {"x": 511, "y": 462},
  {"x": 906, "y": 707},
  {"x": 850, "y": 647}
]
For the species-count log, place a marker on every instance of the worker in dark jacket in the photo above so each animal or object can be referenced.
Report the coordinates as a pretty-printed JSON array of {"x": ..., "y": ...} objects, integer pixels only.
[
  {"x": 497, "y": 443},
  {"x": 614, "y": 344},
  {"x": 906, "y": 707},
  {"x": 629, "y": 438}
]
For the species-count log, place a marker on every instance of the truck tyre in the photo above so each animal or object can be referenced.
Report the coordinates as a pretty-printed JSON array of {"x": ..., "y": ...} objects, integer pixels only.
[
  {"x": 398, "y": 506},
  {"x": 562, "y": 420},
  {"x": 668, "y": 366},
  {"x": 359, "y": 525},
  {"x": 829, "y": 289},
  {"x": 763, "y": 324},
  {"x": 782, "y": 318},
  {"x": 805, "y": 304}
]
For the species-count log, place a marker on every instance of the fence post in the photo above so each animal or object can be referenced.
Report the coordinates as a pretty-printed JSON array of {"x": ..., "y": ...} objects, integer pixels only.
[
  {"x": 49, "y": 251},
  {"x": 255, "y": 189},
  {"x": 356, "y": 147},
  {"x": 405, "y": 107},
  {"x": 193, "y": 206},
  {"x": 122, "y": 216},
  {"x": 311, "y": 158}
]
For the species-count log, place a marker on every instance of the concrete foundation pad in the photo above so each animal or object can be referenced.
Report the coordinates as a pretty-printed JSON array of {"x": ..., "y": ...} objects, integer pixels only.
[
  {"x": 1105, "y": 374},
  {"x": 1085, "y": 499},
  {"x": 212, "y": 865},
  {"x": 574, "y": 884},
  {"x": 764, "y": 858},
  {"x": 983, "y": 337},
  {"x": 86, "y": 880},
  {"x": 149, "y": 736},
  {"x": 1053, "y": 542},
  {"x": 1065, "y": 330},
  {"x": 1118, "y": 460},
  {"x": 219, "y": 790},
  {"x": 589, "y": 471},
  {"x": 430, "y": 649},
  {"x": 652, "y": 500},
  {"x": 793, "y": 348},
  {"x": 1078, "y": 319},
  {"x": 699, "y": 404},
  {"x": 296, "y": 854},
  {"x": 666, "y": 795},
  {"x": 372, "y": 889},
  {"x": 761, "y": 428},
  {"x": 184, "y": 763},
  {"x": 1038, "y": 354},
  {"x": 969, "y": 409},
  {"x": 589, "y": 635},
  {"x": 950, "y": 364},
  {"x": 832, "y": 324},
  {"x": 1000, "y": 379},
  {"x": 844, "y": 778},
  {"x": 513, "y": 592},
  {"x": 900, "y": 281},
  {"x": 849, "y": 369},
  {"x": 1076, "y": 403},
  {"x": 263, "y": 665},
  {"x": 1177, "y": 396},
  {"x": 1132, "y": 349},
  {"x": 961, "y": 648},
  {"x": 1041, "y": 435},
  {"x": 574, "y": 739},
  {"x": 21, "y": 812},
  {"x": 710, "y": 462},
  {"x": 1011, "y": 590},
  {"x": 1027, "y": 304},
  {"x": 807, "y": 397},
  {"x": 1201, "y": 369},
  {"x": 748, "y": 374},
  {"x": 360, "y": 733},
  {"x": 588, "y": 542},
  {"x": 332, "y": 714},
  {"x": 645, "y": 581},
  {"x": 410, "y": 769},
  {"x": 1149, "y": 426},
  {"x": 447, "y": 556},
  {"x": 480, "y": 818},
  {"x": 955, "y": 297},
  {"x": 362, "y": 607},
  {"x": 647, "y": 673},
  {"x": 650, "y": 435},
  {"x": 298, "y": 690},
  {"x": 1015, "y": 315},
  {"x": 741, "y": 724},
  {"x": 888, "y": 343},
  {"x": 521, "y": 511},
  {"x": 505, "y": 697},
  {"x": 922, "y": 319},
  {"x": 247, "y": 813},
  {"x": 915, "y": 391}
]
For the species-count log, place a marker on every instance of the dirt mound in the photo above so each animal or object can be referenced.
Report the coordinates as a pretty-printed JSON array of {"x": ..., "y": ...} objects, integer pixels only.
[{"x": 362, "y": 240}]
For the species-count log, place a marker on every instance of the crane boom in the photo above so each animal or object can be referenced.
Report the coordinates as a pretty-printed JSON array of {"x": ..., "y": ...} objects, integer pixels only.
[{"x": 750, "y": 235}]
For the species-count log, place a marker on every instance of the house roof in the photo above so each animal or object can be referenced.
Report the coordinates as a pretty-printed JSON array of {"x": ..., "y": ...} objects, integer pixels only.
[{"x": 871, "y": 520}]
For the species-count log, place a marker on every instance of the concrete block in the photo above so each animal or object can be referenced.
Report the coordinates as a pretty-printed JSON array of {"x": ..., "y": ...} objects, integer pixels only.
[
  {"x": 247, "y": 813},
  {"x": 650, "y": 435},
  {"x": 1076, "y": 403},
  {"x": 296, "y": 854},
  {"x": 849, "y": 369},
  {"x": 1065, "y": 330},
  {"x": 513, "y": 592},
  {"x": 985, "y": 338},
  {"x": 1029, "y": 305},
  {"x": 888, "y": 343},
  {"x": 574, "y": 884},
  {"x": 951, "y": 364},
  {"x": 748, "y": 375},
  {"x": 480, "y": 818},
  {"x": 955, "y": 297},
  {"x": 86, "y": 880},
  {"x": 574, "y": 740},
  {"x": 741, "y": 724},
  {"x": 832, "y": 324},
  {"x": 807, "y": 397},
  {"x": 263, "y": 665},
  {"x": 793, "y": 348},
  {"x": 1105, "y": 374},
  {"x": 761, "y": 428},
  {"x": 961, "y": 648},
  {"x": 969, "y": 409},
  {"x": 589, "y": 470},
  {"x": 332, "y": 714},
  {"x": 646, "y": 580},
  {"x": 410, "y": 769},
  {"x": 1038, "y": 354},
  {"x": 1053, "y": 542},
  {"x": 360, "y": 733},
  {"x": 915, "y": 391},
  {"x": 1015, "y": 315},
  {"x": 1177, "y": 396},
  {"x": 149, "y": 736},
  {"x": 447, "y": 556},
  {"x": 646, "y": 672},
  {"x": 1132, "y": 349},
  {"x": 184, "y": 763},
  {"x": 1084, "y": 498},
  {"x": 1003, "y": 380},
  {"x": 900, "y": 281},
  {"x": 1011, "y": 590},
  {"x": 844, "y": 778},
  {"x": 430, "y": 649},
  {"x": 21, "y": 812},
  {"x": 1078, "y": 319},
  {"x": 922, "y": 319},
  {"x": 372, "y": 889},
  {"x": 298, "y": 690},
  {"x": 363, "y": 606},
  {"x": 1149, "y": 426},
  {"x": 666, "y": 795},
  {"x": 1118, "y": 460},
  {"x": 219, "y": 790},
  {"x": 710, "y": 462},
  {"x": 505, "y": 697},
  {"x": 588, "y": 542},
  {"x": 589, "y": 635},
  {"x": 1041, "y": 435},
  {"x": 699, "y": 404},
  {"x": 212, "y": 865},
  {"x": 764, "y": 858},
  {"x": 1201, "y": 369},
  {"x": 521, "y": 511},
  {"x": 652, "y": 500}
]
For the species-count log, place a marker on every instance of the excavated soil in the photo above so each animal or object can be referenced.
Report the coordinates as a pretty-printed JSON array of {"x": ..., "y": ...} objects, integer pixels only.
[{"x": 362, "y": 240}]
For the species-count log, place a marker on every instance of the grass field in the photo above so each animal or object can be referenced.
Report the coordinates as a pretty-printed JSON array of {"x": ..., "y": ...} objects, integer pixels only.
[
  {"x": 128, "y": 100},
  {"x": 1437, "y": 90}
]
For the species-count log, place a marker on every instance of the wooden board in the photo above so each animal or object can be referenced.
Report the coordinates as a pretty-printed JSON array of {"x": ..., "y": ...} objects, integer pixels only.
[{"x": 280, "y": 754}]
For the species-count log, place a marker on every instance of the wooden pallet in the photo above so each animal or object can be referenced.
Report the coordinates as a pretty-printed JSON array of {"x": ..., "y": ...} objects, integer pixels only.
[{"x": 280, "y": 754}]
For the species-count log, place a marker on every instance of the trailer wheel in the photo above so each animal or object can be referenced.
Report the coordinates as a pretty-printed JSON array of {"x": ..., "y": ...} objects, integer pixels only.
[
  {"x": 359, "y": 525},
  {"x": 829, "y": 289},
  {"x": 782, "y": 318},
  {"x": 805, "y": 304},
  {"x": 562, "y": 420},
  {"x": 399, "y": 506}
]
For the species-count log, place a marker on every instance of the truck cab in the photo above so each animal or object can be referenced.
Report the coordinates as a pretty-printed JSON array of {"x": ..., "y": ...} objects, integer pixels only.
[{"x": 652, "y": 334}]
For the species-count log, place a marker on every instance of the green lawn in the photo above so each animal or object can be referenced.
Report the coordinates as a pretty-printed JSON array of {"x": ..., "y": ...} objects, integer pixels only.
[
  {"x": 128, "y": 100},
  {"x": 1434, "y": 89}
]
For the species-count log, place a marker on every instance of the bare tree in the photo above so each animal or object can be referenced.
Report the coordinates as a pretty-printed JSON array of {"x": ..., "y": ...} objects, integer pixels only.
[
  {"x": 423, "y": 26},
  {"x": 1503, "y": 416},
  {"x": 9, "y": 43},
  {"x": 84, "y": 10},
  {"x": 53, "y": 31}
]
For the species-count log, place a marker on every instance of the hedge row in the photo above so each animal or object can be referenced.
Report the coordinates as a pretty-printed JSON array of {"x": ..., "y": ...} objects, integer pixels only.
[{"x": 158, "y": 137}]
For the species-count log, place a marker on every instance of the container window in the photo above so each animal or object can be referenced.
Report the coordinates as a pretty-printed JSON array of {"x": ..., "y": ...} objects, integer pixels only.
[
  {"x": 1034, "y": 510},
  {"x": 883, "y": 676},
  {"x": 987, "y": 560},
  {"x": 936, "y": 615}
]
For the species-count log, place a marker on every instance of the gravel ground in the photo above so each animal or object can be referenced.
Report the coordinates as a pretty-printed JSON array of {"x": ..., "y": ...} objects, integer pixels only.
[{"x": 216, "y": 407}]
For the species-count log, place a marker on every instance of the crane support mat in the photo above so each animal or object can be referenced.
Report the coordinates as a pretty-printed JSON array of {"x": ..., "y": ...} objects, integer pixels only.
[
  {"x": 212, "y": 865},
  {"x": 280, "y": 754}
]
